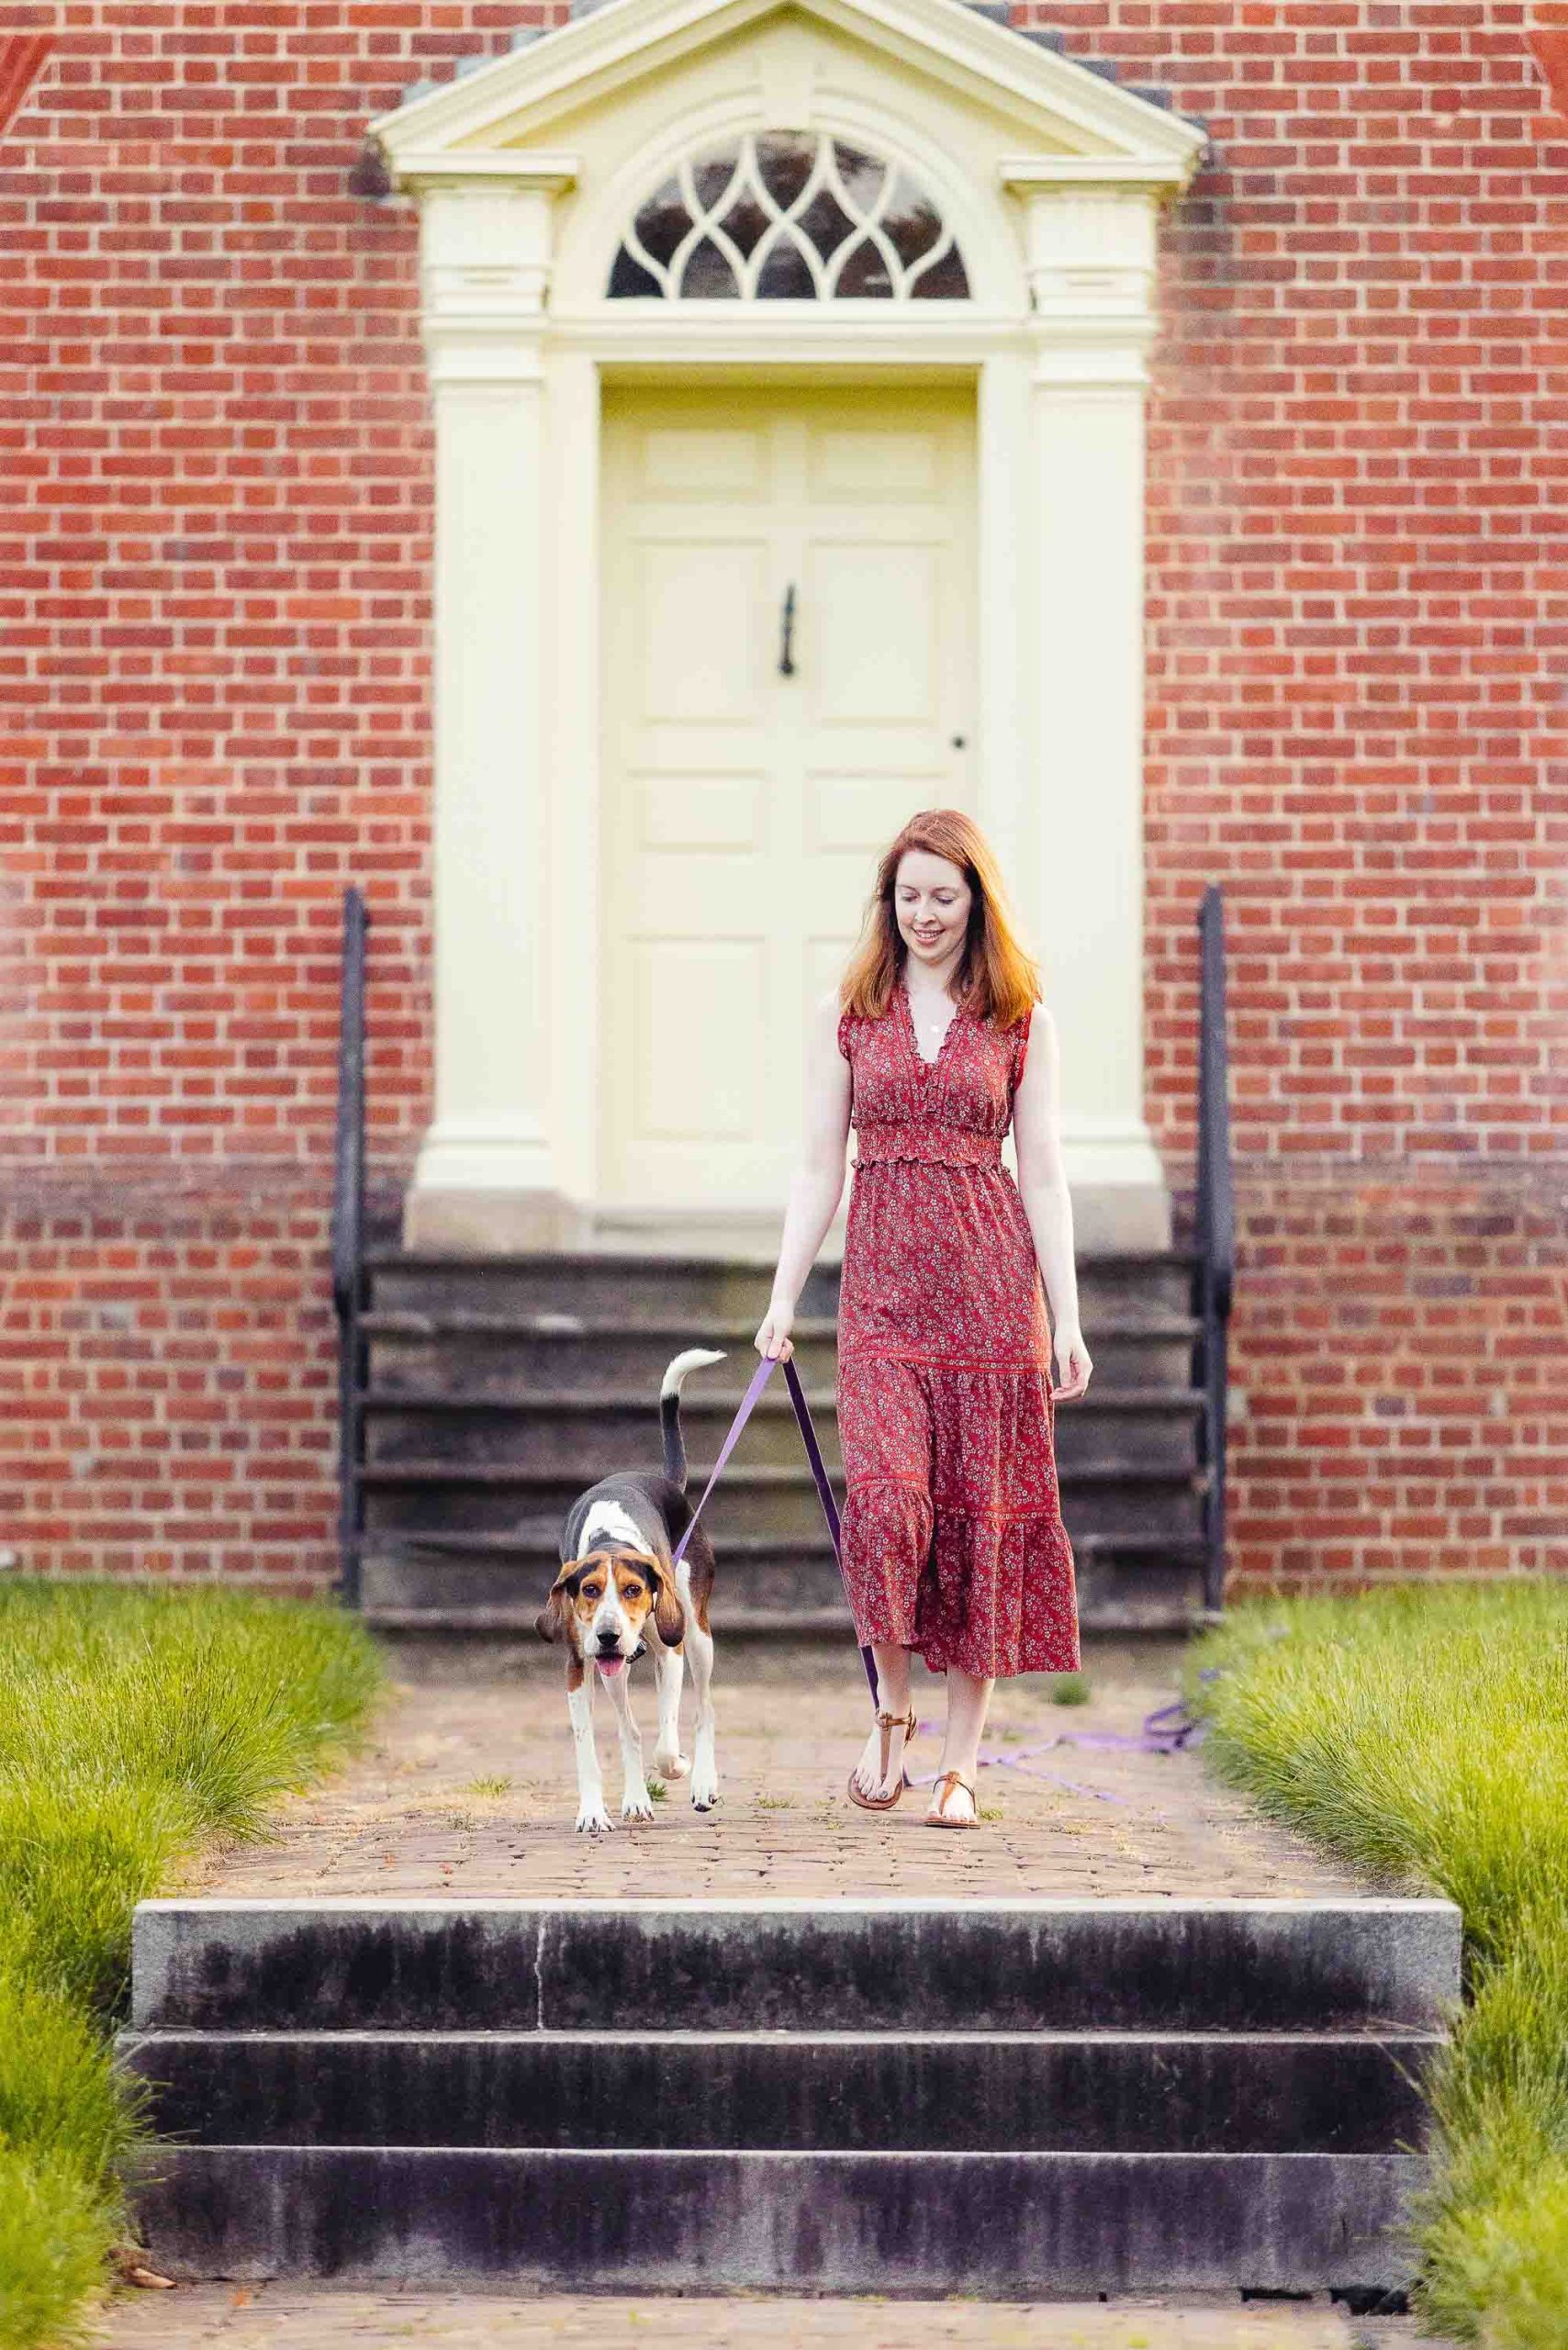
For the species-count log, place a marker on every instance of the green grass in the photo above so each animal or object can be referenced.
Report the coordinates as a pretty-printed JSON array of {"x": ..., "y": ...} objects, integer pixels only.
[
  {"x": 1423, "y": 1733},
  {"x": 136, "y": 1726}
]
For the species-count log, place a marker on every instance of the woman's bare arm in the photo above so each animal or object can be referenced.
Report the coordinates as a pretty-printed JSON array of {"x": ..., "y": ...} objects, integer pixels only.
[
  {"x": 817, "y": 1184},
  {"x": 1042, "y": 1186}
]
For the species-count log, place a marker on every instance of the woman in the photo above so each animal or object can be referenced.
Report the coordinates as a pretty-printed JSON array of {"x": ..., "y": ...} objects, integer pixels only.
[{"x": 953, "y": 1538}]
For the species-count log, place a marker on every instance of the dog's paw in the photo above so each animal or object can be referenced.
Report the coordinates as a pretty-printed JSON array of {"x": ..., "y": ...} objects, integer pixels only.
[
  {"x": 636, "y": 1804},
  {"x": 593, "y": 1821},
  {"x": 673, "y": 1766},
  {"x": 705, "y": 1794}
]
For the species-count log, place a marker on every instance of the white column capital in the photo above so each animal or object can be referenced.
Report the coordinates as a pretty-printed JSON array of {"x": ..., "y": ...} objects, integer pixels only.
[
  {"x": 1090, "y": 254},
  {"x": 485, "y": 250}
]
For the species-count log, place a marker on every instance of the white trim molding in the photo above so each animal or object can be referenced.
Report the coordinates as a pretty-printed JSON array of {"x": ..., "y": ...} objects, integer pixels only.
[
  {"x": 595, "y": 55},
  {"x": 523, "y": 171}
]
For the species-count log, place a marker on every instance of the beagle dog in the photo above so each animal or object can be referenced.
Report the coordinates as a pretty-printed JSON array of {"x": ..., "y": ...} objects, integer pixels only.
[{"x": 617, "y": 1594}]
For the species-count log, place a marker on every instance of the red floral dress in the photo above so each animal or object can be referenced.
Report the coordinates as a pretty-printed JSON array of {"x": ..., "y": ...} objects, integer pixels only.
[{"x": 953, "y": 1538}]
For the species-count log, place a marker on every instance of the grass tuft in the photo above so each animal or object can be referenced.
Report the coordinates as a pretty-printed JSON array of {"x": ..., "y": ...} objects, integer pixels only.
[
  {"x": 1423, "y": 1734},
  {"x": 136, "y": 1726},
  {"x": 55, "y": 2228}
]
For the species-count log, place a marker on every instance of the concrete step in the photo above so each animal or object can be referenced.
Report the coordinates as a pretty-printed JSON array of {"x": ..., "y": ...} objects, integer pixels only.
[
  {"x": 440, "y": 1496},
  {"x": 635, "y": 1288},
  {"x": 1081, "y": 2092},
  {"x": 1004, "y": 2225},
  {"x": 763, "y": 1586},
  {"x": 479, "y": 1353},
  {"x": 1022, "y": 1965},
  {"x": 584, "y": 1431}
]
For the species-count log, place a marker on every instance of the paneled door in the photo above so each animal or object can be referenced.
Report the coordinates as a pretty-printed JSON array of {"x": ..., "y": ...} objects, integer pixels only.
[{"x": 788, "y": 672}]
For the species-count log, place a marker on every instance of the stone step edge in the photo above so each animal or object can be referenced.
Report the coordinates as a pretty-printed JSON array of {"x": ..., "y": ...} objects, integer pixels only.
[
  {"x": 1391, "y": 1958},
  {"x": 1015, "y": 2226},
  {"x": 810, "y": 1906},
  {"x": 218, "y": 2037}
]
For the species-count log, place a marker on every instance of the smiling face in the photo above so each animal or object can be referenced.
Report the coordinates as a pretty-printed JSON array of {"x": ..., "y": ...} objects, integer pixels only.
[{"x": 931, "y": 905}]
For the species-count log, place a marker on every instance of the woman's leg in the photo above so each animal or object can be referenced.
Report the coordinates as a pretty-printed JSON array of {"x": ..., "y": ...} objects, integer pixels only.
[
  {"x": 892, "y": 1697},
  {"x": 968, "y": 1701}
]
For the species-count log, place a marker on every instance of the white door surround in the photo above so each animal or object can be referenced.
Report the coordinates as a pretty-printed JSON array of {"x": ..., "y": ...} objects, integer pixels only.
[{"x": 529, "y": 173}]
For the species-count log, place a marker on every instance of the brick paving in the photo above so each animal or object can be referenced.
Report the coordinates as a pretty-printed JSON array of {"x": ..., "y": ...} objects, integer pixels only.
[
  {"x": 298, "y": 2318},
  {"x": 466, "y": 1786}
]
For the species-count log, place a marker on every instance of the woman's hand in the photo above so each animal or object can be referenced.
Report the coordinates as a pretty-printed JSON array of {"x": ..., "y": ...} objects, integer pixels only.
[
  {"x": 773, "y": 1337},
  {"x": 1074, "y": 1363}
]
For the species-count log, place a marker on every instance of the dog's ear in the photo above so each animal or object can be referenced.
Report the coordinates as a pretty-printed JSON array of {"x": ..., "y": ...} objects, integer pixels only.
[
  {"x": 669, "y": 1616},
  {"x": 551, "y": 1621}
]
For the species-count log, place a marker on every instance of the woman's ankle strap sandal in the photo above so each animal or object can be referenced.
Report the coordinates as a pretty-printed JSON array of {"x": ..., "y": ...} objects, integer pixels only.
[
  {"x": 941, "y": 1794},
  {"x": 887, "y": 1724}
]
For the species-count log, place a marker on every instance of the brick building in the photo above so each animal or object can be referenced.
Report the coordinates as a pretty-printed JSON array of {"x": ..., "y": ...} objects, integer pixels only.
[{"x": 420, "y": 419}]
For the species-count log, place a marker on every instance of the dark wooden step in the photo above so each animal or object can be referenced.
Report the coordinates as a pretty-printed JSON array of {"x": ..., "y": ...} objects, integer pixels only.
[
  {"x": 636, "y": 1287},
  {"x": 472, "y": 1352},
  {"x": 588, "y": 1432},
  {"x": 426, "y": 1495}
]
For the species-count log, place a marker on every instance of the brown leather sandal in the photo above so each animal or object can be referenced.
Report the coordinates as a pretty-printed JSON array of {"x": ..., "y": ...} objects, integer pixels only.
[
  {"x": 936, "y": 1816},
  {"x": 887, "y": 1724}
]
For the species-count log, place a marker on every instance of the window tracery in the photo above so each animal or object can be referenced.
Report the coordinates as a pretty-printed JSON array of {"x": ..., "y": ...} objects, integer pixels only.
[{"x": 789, "y": 216}]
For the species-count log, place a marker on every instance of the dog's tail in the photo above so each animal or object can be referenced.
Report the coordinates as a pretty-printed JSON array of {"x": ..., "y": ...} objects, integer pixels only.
[{"x": 694, "y": 1358}]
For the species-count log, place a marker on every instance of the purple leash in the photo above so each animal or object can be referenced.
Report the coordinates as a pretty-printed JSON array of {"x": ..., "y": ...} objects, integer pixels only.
[{"x": 767, "y": 1366}]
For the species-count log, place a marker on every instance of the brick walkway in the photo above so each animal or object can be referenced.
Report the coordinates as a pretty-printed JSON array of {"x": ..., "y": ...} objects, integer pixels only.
[
  {"x": 289, "y": 2318},
  {"x": 467, "y": 1787}
]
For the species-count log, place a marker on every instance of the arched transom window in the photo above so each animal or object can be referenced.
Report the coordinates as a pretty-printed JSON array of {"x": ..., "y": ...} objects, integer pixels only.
[{"x": 789, "y": 216}]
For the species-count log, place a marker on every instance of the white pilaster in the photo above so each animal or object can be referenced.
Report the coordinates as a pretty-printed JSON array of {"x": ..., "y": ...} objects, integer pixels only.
[
  {"x": 486, "y": 267},
  {"x": 1091, "y": 255}
]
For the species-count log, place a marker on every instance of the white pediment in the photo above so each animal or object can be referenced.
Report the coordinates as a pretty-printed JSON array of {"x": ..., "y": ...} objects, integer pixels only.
[{"x": 518, "y": 116}]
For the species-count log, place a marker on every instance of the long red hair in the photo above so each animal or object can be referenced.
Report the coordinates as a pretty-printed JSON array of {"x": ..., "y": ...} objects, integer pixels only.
[{"x": 997, "y": 979}]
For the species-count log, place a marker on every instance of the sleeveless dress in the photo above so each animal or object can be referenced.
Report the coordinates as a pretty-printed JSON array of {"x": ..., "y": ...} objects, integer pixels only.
[{"x": 952, "y": 1532}]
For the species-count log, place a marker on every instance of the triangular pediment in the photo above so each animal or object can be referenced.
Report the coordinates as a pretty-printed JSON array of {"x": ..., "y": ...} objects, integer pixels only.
[{"x": 1066, "y": 120}]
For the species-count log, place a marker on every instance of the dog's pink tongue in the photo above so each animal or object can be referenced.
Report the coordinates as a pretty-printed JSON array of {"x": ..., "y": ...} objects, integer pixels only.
[{"x": 610, "y": 1665}]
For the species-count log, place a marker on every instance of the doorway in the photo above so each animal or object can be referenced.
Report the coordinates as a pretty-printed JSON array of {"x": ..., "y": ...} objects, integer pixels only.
[{"x": 789, "y": 672}]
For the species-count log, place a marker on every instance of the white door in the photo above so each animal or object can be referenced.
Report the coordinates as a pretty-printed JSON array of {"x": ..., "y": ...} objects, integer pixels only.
[{"x": 789, "y": 674}]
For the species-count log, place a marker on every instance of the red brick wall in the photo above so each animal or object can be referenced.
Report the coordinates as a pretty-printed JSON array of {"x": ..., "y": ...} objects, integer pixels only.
[
  {"x": 167, "y": 1390},
  {"x": 213, "y": 613}
]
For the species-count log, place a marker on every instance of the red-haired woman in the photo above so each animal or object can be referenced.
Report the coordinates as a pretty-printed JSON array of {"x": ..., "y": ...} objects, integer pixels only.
[{"x": 953, "y": 1538}]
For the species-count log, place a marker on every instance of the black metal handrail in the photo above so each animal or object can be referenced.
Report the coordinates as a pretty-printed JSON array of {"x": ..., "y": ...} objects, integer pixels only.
[
  {"x": 348, "y": 1237},
  {"x": 1216, "y": 1219}
]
